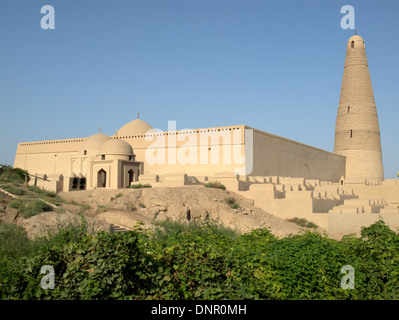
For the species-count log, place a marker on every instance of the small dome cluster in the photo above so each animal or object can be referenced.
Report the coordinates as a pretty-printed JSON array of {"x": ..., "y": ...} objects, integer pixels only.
[
  {"x": 93, "y": 143},
  {"x": 101, "y": 144}
]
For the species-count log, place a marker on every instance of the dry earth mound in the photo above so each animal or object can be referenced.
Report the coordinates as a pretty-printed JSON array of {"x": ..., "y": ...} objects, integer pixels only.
[{"x": 127, "y": 207}]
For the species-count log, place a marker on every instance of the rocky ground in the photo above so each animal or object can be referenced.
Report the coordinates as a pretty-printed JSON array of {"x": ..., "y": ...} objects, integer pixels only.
[{"x": 127, "y": 207}]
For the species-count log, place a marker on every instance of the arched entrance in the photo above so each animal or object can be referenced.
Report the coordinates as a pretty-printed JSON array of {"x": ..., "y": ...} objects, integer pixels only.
[
  {"x": 101, "y": 178},
  {"x": 131, "y": 176}
]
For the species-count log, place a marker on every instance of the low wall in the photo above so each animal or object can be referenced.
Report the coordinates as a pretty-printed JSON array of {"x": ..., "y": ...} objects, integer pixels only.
[
  {"x": 277, "y": 156},
  {"x": 342, "y": 224}
]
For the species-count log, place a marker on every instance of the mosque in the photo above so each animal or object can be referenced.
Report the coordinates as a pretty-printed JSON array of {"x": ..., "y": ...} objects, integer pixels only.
[{"x": 245, "y": 159}]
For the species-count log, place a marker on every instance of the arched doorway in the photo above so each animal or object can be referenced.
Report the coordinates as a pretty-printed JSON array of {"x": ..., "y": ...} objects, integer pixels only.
[
  {"x": 101, "y": 178},
  {"x": 131, "y": 176}
]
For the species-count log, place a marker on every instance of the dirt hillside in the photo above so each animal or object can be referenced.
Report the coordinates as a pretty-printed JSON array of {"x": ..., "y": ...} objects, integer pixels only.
[{"x": 127, "y": 207}]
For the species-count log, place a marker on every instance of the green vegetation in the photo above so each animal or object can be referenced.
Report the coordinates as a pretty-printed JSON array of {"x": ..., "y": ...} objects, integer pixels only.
[
  {"x": 198, "y": 261},
  {"x": 232, "y": 203},
  {"x": 46, "y": 195},
  {"x": 13, "y": 189},
  {"x": 13, "y": 175},
  {"x": 83, "y": 205},
  {"x": 303, "y": 222},
  {"x": 29, "y": 208},
  {"x": 118, "y": 195},
  {"x": 139, "y": 186},
  {"x": 102, "y": 207},
  {"x": 142, "y": 205},
  {"x": 216, "y": 185}
]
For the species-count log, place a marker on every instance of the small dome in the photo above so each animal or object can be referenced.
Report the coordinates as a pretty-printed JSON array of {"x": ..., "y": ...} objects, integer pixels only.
[
  {"x": 116, "y": 147},
  {"x": 93, "y": 143},
  {"x": 133, "y": 128},
  {"x": 355, "y": 42}
]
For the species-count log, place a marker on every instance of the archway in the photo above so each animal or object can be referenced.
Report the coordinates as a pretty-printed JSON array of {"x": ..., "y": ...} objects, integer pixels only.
[
  {"x": 101, "y": 178},
  {"x": 131, "y": 176}
]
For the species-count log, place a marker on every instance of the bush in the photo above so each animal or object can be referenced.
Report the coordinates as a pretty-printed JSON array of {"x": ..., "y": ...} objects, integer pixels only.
[
  {"x": 232, "y": 203},
  {"x": 216, "y": 185},
  {"x": 49, "y": 196},
  {"x": 376, "y": 260},
  {"x": 13, "y": 189},
  {"x": 16, "y": 204},
  {"x": 35, "y": 207},
  {"x": 13, "y": 241},
  {"x": 29, "y": 208},
  {"x": 303, "y": 222},
  {"x": 14, "y": 175},
  {"x": 105, "y": 266},
  {"x": 139, "y": 186},
  {"x": 191, "y": 260}
]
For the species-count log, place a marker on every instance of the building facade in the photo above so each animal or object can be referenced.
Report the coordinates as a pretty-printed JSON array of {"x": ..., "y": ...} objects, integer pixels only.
[{"x": 138, "y": 151}]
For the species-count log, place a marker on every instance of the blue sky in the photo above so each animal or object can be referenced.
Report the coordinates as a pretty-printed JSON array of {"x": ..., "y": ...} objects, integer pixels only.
[{"x": 273, "y": 65}]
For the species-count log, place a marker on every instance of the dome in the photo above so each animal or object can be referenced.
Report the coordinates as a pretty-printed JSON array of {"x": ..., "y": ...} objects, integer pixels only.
[
  {"x": 356, "y": 40},
  {"x": 133, "y": 128},
  {"x": 93, "y": 143},
  {"x": 116, "y": 147}
]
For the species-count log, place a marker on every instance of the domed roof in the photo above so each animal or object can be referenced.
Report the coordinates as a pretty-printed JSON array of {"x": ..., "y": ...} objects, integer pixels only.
[
  {"x": 134, "y": 127},
  {"x": 357, "y": 40},
  {"x": 93, "y": 143},
  {"x": 116, "y": 147}
]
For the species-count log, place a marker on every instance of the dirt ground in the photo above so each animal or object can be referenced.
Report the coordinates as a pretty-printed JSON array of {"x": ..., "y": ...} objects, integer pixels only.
[{"x": 127, "y": 207}]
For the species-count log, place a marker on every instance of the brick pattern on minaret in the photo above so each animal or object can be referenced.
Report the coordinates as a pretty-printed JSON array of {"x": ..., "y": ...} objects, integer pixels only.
[{"x": 357, "y": 132}]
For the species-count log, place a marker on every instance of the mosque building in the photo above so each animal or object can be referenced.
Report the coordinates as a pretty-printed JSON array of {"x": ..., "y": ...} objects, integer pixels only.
[
  {"x": 113, "y": 162},
  {"x": 340, "y": 191}
]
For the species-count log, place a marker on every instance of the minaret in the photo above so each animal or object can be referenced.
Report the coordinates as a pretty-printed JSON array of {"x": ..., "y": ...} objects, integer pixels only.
[{"x": 357, "y": 132}]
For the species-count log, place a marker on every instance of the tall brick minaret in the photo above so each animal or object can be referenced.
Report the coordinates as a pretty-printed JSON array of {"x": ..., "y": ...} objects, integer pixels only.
[{"x": 357, "y": 132}]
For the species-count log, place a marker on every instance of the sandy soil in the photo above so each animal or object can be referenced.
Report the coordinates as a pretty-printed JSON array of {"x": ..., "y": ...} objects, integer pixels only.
[{"x": 127, "y": 207}]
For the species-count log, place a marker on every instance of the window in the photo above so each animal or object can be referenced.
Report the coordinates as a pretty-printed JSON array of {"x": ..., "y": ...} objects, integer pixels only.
[
  {"x": 85, "y": 152},
  {"x": 103, "y": 157},
  {"x": 351, "y": 134},
  {"x": 349, "y": 109},
  {"x": 352, "y": 44}
]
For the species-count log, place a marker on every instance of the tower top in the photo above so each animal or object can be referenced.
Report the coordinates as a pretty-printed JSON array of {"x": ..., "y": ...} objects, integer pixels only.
[{"x": 355, "y": 41}]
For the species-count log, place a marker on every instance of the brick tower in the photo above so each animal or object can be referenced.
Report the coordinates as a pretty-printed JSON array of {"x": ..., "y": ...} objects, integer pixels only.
[{"x": 357, "y": 132}]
